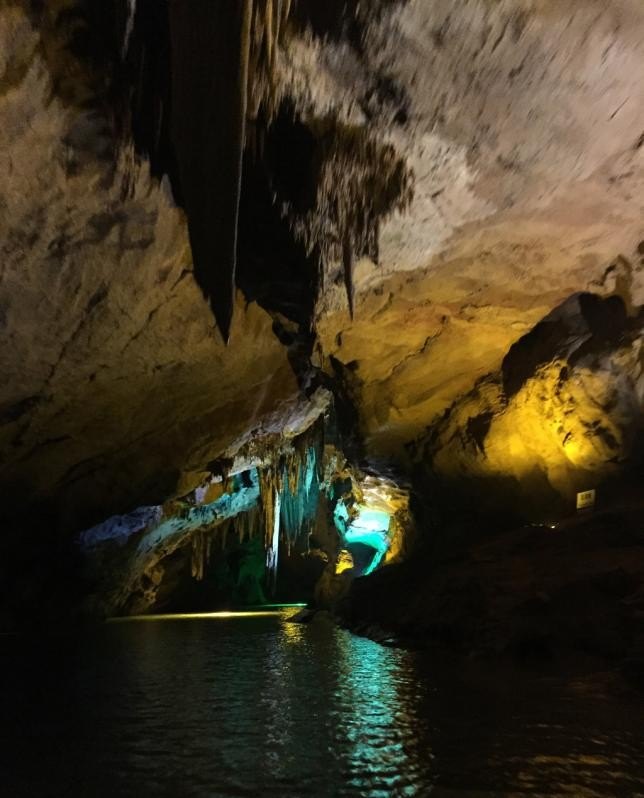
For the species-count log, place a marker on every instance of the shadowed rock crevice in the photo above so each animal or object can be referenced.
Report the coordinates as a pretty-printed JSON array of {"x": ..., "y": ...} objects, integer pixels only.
[
  {"x": 599, "y": 323},
  {"x": 333, "y": 185},
  {"x": 340, "y": 20},
  {"x": 188, "y": 71},
  {"x": 274, "y": 268}
]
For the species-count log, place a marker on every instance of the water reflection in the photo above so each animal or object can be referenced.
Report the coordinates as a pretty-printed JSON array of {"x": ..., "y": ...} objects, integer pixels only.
[
  {"x": 263, "y": 707},
  {"x": 345, "y": 701},
  {"x": 375, "y": 720}
]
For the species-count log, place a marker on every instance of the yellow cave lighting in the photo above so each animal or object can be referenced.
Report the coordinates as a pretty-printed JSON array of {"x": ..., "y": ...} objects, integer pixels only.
[
  {"x": 292, "y": 631},
  {"x": 188, "y": 616},
  {"x": 344, "y": 562}
]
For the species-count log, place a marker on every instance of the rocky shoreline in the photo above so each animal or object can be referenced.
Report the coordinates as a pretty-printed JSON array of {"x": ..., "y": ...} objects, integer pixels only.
[{"x": 534, "y": 594}]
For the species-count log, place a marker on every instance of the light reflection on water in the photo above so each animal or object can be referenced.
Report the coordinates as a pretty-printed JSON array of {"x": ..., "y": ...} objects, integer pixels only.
[{"x": 264, "y": 707}]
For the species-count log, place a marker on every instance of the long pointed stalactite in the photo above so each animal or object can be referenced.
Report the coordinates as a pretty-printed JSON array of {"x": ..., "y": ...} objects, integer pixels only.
[
  {"x": 210, "y": 44},
  {"x": 223, "y": 69},
  {"x": 222, "y": 63}
]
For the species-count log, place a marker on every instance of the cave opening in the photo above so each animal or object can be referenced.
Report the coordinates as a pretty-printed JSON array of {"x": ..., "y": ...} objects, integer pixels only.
[
  {"x": 363, "y": 556},
  {"x": 278, "y": 532}
]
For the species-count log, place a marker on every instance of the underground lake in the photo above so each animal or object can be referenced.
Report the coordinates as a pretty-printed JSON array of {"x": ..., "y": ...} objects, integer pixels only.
[{"x": 246, "y": 706}]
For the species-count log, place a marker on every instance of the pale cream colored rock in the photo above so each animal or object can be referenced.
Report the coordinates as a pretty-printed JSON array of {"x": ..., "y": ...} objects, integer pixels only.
[{"x": 524, "y": 125}]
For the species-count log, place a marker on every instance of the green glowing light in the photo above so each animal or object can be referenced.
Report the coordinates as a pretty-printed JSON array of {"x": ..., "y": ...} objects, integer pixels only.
[
  {"x": 371, "y": 520},
  {"x": 370, "y": 528},
  {"x": 375, "y": 540}
]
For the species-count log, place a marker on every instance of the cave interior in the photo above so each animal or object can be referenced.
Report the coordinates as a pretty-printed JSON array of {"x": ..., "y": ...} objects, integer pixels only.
[{"x": 336, "y": 307}]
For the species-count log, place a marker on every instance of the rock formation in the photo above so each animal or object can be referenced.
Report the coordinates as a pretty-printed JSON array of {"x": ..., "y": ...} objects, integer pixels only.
[
  {"x": 414, "y": 228},
  {"x": 562, "y": 415}
]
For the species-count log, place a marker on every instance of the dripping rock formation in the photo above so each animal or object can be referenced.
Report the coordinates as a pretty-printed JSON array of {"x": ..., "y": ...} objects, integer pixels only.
[{"x": 293, "y": 293}]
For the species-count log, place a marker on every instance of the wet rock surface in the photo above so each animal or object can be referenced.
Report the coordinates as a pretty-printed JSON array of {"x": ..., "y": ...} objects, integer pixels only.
[{"x": 532, "y": 594}]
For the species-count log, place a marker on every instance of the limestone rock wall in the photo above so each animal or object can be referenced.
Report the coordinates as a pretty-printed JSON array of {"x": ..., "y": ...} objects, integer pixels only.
[
  {"x": 522, "y": 123},
  {"x": 562, "y": 416},
  {"x": 448, "y": 173},
  {"x": 115, "y": 380},
  {"x": 519, "y": 124}
]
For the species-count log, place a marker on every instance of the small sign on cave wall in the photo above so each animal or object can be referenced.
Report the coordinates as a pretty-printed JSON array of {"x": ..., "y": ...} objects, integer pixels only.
[{"x": 586, "y": 500}]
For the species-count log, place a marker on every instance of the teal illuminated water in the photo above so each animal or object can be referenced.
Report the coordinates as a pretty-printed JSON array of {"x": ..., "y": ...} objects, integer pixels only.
[{"x": 259, "y": 706}]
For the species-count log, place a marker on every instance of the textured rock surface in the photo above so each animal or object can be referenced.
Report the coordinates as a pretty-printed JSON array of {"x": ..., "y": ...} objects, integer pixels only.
[
  {"x": 115, "y": 381},
  {"x": 522, "y": 122},
  {"x": 563, "y": 414},
  {"x": 489, "y": 156},
  {"x": 527, "y": 185}
]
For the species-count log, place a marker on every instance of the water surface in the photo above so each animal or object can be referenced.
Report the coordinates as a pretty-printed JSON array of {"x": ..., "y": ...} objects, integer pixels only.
[{"x": 259, "y": 706}]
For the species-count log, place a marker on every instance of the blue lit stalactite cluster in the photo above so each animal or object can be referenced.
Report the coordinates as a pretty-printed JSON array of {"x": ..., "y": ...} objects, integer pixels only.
[
  {"x": 289, "y": 495},
  {"x": 308, "y": 501}
]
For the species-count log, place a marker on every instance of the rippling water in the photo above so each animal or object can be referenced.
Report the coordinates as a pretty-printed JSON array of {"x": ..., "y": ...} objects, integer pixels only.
[{"x": 259, "y": 706}]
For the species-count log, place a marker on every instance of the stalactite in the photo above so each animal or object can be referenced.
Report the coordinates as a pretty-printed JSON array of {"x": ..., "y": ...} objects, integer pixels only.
[
  {"x": 272, "y": 553},
  {"x": 198, "y": 559},
  {"x": 129, "y": 27},
  {"x": 270, "y": 485},
  {"x": 294, "y": 467},
  {"x": 358, "y": 181},
  {"x": 225, "y": 58},
  {"x": 201, "y": 543},
  {"x": 220, "y": 58},
  {"x": 269, "y": 20},
  {"x": 210, "y": 58},
  {"x": 268, "y": 503},
  {"x": 300, "y": 495},
  {"x": 289, "y": 494},
  {"x": 201, "y": 549},
  {"x": 248, "y": 524},
  {"x": 212, "y": 168}
]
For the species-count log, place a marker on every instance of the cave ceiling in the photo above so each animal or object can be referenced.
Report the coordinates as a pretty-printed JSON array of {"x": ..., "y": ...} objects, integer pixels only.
[{"x": 384, "y": 201}]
